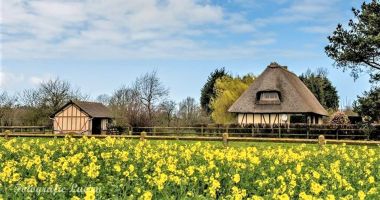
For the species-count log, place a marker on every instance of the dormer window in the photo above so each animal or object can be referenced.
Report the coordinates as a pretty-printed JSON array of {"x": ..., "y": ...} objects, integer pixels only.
[{"x": 268, "y": 97}]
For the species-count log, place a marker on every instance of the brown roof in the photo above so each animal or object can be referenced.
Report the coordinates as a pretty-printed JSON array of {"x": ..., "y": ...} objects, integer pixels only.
[
  {"x": 93, "y": 109},
  {"x": 295, "y": 97}
]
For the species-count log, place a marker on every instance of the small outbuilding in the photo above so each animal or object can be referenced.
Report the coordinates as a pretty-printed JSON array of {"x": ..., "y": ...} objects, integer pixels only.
[
  {"x": 81, "y": 117},
  {"x": 278, "y": 96}
]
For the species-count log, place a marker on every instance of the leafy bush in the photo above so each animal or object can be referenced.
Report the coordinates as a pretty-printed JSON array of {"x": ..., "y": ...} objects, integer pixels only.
[{"x": 339, "y": 118}]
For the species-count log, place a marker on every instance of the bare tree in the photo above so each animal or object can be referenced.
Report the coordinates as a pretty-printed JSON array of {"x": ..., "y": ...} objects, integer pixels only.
[
  {"x": 38, "y": 104},
  {"x": 7, "y": 105},
  {"x": 127, "y": 108},
  {"x": 55, "y": 93},
  {"x": 168, "y": 108},
  {"x": 151, "y": 91},
  {"x": 104, "y": 99},
  {"x": 189, "y": 111}
]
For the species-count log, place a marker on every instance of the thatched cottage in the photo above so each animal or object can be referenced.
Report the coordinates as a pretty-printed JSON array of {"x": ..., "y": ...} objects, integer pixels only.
[
  {"x": 81, "y": 117},
  {"x": 278, "y": 96}
]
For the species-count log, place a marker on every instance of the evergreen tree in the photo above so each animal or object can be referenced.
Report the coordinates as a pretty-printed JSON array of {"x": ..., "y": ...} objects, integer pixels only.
[
  {"x": 322, "y": 88},
  {"x": 208, "y": 91}
]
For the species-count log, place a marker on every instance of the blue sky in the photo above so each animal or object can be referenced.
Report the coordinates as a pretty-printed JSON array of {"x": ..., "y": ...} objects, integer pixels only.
[{"x": 101, "y": 45}]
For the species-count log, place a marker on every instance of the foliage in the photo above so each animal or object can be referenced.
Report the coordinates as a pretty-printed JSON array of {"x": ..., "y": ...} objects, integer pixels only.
[
  {"x": 369, "y": 104},
  {"x": 359, "y": 45},
  {"x": 116, "y": 168},
  {"x": 208, "y": 91},
  {"x": 228, "y": 90},
  {"x": 339, "y": 118},
  {"x": 322, "y": 88}
]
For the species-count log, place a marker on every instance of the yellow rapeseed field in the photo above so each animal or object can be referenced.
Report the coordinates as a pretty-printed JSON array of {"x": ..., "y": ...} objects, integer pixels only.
[{"x": 110, "y": 168}]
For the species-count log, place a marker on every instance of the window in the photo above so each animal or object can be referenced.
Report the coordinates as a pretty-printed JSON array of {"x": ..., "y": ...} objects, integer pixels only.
[{"x": 269, "y": 96}]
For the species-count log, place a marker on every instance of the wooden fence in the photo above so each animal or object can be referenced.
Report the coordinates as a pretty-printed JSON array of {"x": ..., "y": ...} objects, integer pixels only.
[
  {"x": 25, "y": 129},
  {"x": 302, "y": 131},
  {"x": 264, "y": 131}
]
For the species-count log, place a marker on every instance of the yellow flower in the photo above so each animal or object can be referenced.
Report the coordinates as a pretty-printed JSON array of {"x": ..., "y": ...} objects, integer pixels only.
[
  {"x": 330, "y": 197},
  {"x": 371, "y": 180},
  {"x": 316, "y": 188},
  {"x": 236, "y": 178},
  {"x": 147, "y": 195},
  {"x": 131, "y": 168},
  {"x": 372, "y": 191},
  {"x": 90, "y": 193},
  {"x": 42, "y": 176},
  {"x": 304, "y": 196},
  {"x": 75, "y": 198},
  {"x": 361, "y": 195},
  {"x": 316, "y": 175},
  {"x": 117, "y": 168}
]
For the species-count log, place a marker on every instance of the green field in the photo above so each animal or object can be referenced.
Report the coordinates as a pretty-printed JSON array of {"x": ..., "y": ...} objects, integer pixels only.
[{"x": 129, "y": 169}]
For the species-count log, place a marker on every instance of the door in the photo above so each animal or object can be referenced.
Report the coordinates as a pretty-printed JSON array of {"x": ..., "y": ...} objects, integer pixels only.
[{"x": 96, "y": 126}]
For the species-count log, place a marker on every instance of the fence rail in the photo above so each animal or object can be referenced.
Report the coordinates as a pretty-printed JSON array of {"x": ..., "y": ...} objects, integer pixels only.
[
  {"x": 303, "y": 131},
  {"x": 24, "y": 129}
]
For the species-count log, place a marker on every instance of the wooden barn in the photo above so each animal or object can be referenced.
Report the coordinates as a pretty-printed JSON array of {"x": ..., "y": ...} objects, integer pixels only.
[
  {"x": 81, "y": 117},
  {"x": 278, "y": 96}
]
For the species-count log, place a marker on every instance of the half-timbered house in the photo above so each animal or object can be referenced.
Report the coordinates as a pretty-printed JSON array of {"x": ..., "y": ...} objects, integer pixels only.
[
  {"x": 81, "y": 117},
  {"x": 278, "y": 96}
]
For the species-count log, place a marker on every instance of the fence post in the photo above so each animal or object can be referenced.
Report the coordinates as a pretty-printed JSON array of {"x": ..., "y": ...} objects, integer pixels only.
[
  {"x": 202, "y": 131},
  {"x": 142, "y": 136},
  {"x": 225, "y": 139},
  {"x": 337, "y": 133},
  {"x": 131, "y": 131},
  {"x": 321, "y": 141},
  {"x": 253, "y": 130},
  {"x": 308, "y": 131},
  {"x": 154, "y": 130},
  {"x": 6, "y": 133}
]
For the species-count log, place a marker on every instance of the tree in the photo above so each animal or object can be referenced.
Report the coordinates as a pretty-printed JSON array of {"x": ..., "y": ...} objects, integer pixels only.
[
  {"x": 208, "y": 91},
  {"x": 369, "y": 104},
  {"x": 228, "y": 90},
  {"x": 50, "y": 96},
  {"x": 104, "y": 99},
  {"x": 189, "y": 111},
  {"x": 7, "y": 105},
  {"x": 358, "y": 46},
  {"x": 322, "y": 88},
  {"x": 127, "y": 108},
  {"x": 55, "y": 93},
  {"x": 151, "y": 91},
  {"x": 168, "y": 108}
]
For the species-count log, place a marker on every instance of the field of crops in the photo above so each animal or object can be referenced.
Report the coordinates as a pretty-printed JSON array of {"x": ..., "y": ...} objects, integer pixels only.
[{"x": 124, "y": 169}]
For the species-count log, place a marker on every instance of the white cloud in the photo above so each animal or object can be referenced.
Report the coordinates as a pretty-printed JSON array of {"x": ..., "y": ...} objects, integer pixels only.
[
  {"x": 7, "y": 79},
  {"x": 57, "y": 28},
  {"x": 262, "y": 42},
  {"x": 321, "y": 11},
  {"x": 317, "y": 29}
]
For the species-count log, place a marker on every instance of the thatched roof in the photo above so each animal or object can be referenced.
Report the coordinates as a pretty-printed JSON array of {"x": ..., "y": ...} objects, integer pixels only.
[
  {"x": 295, "y": 97},
  {"x": 93, "y": 109}
]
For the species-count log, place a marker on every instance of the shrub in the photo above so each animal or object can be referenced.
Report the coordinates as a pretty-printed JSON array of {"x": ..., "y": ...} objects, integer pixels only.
[{"x": 339, "y": 118}]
